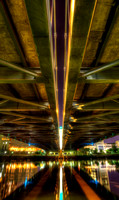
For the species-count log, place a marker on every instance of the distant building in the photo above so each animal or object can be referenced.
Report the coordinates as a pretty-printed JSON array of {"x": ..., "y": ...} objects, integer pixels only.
[
  {"x": 117, "y": 143},
  {"x": 18, "y": 147},
  {"x": 101, "y": 145},
  {"x": 4, "y": 144},
  {"x": 91, "y": 147}
]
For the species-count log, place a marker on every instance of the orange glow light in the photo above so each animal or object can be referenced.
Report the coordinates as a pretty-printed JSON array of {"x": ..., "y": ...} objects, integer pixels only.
[
  {"x": 27, "y": 149},
  {"x": 5, "y": 139}
]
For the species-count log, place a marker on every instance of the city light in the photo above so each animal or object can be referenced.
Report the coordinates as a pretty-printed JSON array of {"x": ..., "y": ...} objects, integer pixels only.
[
  {"x": 60, "y": 136},
  {"x": 20, "y": 165},
  {"x": 29, "y": 149},
  {"x": 4, "y": 139}
]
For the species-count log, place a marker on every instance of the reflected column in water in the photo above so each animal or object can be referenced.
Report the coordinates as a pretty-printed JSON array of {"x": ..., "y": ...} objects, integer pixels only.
[
  {"x": 61, "y": 183},
  {"x": 63, "y": 188}
]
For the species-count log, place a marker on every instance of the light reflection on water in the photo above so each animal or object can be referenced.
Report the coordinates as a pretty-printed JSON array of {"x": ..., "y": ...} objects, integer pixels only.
[
  {"x": 105, "y": 172},
  {"x": 15, "y": 174}
]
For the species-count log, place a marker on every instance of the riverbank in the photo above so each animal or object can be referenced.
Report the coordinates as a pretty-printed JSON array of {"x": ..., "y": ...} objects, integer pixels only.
[{"x": 53, "y": 158}]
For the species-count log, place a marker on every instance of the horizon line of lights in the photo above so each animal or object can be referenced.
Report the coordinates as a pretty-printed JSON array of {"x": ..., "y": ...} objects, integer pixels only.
[
  {"x": 5, "y": 139},
  {"x": 25, "y": 149}
]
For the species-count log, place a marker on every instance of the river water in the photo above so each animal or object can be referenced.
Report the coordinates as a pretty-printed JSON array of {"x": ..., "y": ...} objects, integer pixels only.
[{"x": 64, "y": 180}]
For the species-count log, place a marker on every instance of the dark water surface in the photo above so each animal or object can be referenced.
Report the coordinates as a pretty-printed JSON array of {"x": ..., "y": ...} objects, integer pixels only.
[{"x": 67, "y": 180}]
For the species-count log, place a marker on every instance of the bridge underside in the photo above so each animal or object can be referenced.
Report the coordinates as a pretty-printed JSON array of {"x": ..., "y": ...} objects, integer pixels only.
[
  {"x": 27, "y": 94},
  {"x": 28, "y": 100},
  {"x": 92, "y": 109}
]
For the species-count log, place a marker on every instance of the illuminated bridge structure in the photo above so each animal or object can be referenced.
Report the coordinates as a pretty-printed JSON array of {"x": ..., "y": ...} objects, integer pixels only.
[{"x": 59, "y": 49}]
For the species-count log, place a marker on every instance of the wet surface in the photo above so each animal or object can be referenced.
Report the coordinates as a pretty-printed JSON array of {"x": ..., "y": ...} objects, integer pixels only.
[
  {"x": 73, "y": 187},
  {"x": 16, "y": 174},
  {"x": 69, "y": 180},
  {"x": 104, "y": 172}
]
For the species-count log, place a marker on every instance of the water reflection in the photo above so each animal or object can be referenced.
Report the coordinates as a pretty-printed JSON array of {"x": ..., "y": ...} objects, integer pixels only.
[
  {"x": 61, "y": 188},
  {"x": 57, "y": 180},
  {"x": 13, "y": 175},
  {"x": 104, "y": 172},
  {"x": 61, "y": 183}
]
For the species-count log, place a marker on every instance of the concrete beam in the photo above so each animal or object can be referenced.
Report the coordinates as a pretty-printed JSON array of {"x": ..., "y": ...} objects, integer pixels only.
[
  {"x": 14, "y": 106},
  {"x": 23, "y": 101},
  {"x": 113, "y": 97},
  {"x": 99, "y": 69},
  {"x": 109, "y": 105},
  {"x": 26, "y": 116}
]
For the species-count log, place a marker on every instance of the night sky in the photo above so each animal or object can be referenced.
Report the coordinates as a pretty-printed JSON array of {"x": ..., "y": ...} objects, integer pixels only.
[
  {"x": 112, "y": 139},
  {"x": 60, "y": 26}
]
